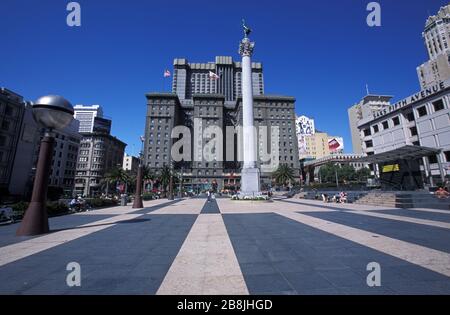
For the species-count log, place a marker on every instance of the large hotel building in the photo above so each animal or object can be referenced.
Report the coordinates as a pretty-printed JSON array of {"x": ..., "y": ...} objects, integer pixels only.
[{"x": 210, "y": 93}]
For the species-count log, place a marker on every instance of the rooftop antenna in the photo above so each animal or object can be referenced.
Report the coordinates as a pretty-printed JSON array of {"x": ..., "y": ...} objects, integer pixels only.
[{"x": 367, "y": 89}]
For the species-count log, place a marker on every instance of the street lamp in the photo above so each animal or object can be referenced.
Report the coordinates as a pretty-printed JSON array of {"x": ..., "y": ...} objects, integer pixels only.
[
  {"x": 336, "y": 174},
  {"x": 180, "y": 193},
  {"x": 51, "y": 112},
  {"x": 138, "y": 196}
]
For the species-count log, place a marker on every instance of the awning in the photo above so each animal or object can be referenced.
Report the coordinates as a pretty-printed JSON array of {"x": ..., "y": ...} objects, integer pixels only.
[{"x": 408, "y": 152}]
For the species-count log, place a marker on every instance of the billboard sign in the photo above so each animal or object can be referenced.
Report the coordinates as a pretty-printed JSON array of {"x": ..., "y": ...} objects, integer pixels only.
[
  {"x": 305, "y": 126},
  {"x": 302, "y": 148},
  {"x": 336, "y": 144}
]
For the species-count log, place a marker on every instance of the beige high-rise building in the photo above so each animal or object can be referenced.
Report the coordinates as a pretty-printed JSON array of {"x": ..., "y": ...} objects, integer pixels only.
[
  {"x": 363, "y": 111},
  {"x": 437, "y": 42},
  {"x": 317, "y": 145}
]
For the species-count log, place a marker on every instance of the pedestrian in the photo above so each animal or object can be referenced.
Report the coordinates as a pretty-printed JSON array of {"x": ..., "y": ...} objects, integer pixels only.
[{"x": 208, "y": 194}]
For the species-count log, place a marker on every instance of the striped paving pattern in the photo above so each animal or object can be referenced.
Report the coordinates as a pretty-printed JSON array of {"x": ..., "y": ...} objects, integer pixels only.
[{"x": 195, "y": 246}]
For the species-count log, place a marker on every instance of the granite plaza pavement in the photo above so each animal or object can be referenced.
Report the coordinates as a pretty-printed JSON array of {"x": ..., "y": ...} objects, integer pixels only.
[{"x": 191, "y": 246}]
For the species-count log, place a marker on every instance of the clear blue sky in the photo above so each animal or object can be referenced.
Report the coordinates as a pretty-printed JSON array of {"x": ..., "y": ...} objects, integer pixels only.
[{"x": 321, "y": 52}]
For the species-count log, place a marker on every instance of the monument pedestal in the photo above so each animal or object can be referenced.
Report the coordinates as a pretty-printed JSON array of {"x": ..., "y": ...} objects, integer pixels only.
[{"x": 250, "y": 185}]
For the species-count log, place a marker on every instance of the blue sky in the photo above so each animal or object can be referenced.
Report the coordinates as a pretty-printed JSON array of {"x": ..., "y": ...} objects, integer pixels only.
[{"x": 321, "y": 52}]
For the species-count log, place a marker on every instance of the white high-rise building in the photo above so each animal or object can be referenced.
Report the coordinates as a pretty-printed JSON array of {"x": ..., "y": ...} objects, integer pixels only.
[
  {"x": 86, "y": 116},
  {"x": 130, "y": 163},
  {"x": 437, "y": 42}
]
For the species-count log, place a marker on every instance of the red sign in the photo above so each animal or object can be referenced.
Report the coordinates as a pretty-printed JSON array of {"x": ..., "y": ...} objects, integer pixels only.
[{"x": 335, "y": 144}]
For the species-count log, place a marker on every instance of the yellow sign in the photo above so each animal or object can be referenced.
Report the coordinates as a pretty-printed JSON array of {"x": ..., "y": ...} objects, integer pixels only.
[{"x": 391, "y": 168}]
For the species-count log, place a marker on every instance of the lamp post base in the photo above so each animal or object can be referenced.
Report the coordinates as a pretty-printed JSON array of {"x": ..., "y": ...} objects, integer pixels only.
[
  {"x": 35, "y": 221},
  {"x": 138, "y": 204}
]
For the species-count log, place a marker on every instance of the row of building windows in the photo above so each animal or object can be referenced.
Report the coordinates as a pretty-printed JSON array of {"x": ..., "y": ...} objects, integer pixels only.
[
  {"x": 158, "y": 142},
  {"x": 159, "y": 128},
  {"x": 395, "y": 121},
  {"x": 158, "y": 135},
  {"x": 96, "y": 145},
  {"x": 437, "y": 106},
  {"x": 8, "y": 110},
  {"x": 159, "y": 121},
  {"x": 157, "y": 150}
]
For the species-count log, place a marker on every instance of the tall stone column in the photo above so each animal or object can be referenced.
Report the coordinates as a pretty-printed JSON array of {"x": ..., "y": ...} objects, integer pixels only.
[{"x": 250, "y": 174}]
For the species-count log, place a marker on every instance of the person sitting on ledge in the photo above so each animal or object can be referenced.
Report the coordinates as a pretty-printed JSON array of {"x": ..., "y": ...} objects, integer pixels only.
[
  {"x": 335, "y": 198},
  {"x": 442, "y": 193},
  {"x": 343, "y": 197}
]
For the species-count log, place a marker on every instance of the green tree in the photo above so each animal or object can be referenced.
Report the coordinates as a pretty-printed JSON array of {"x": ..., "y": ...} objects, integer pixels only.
[
  {"x": 131, "y": 182},
  {"x": 148, "y": 176},
  {"x": 114, "y": 176},
  {"x": 327, "y": 173},
  {"x": 284, "y": 175},
  {"x": 345, "y": 173},
  {"x": 362, "y": 174},
  {"x": 164, "y": 178}
]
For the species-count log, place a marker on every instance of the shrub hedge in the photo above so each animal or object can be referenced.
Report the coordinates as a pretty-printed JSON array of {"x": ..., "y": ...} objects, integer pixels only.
[{"x": 53, "y": 208}]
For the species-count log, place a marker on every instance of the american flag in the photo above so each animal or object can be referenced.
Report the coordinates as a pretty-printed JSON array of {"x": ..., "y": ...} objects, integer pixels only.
[
  {"x": 213, "y": 76},
  {"x": 166, "y": 74}
]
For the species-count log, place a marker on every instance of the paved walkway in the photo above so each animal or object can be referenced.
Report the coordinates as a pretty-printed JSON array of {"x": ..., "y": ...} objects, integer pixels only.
[{"x": 192, "y": 246}]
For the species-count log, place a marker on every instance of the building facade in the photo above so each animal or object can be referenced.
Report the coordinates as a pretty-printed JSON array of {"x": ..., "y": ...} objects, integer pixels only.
[
  {"x": 437, "y": 41},
  {"x": 65, "y": 156},
  {"x": 305, "y": 127},
  {"x": 165, "y": 111},
  {"x": 102, "y": 125},
  {"x": 12, "y": 109},
  {"x": 422, "y": 119},
  {"x": 65, "y": 152},
  {"x": 98, "y": 154},
  {"x": 207, "y": 96},
  {"x": 314, "y": 144},
  {"x": 86, "y": 116},
  {"x": 196, "y": 78},
  {"x": 364, "y": 110},
  {"x": 130, "y": 163}
]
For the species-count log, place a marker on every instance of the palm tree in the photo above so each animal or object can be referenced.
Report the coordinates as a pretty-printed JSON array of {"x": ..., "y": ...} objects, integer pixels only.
[
  {"x": 284, "y": 175},
  {"x": 164, "y": 177},
  {"x": 148, "y": 176},
  {"x": 114, "y": 176},
  {"x": 131, "y": 181}
]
